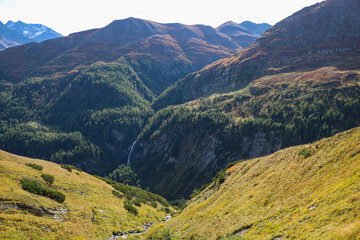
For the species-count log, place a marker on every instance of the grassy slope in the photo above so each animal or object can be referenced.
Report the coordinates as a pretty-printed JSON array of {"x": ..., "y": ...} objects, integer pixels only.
[
  {"x": 284, "y": 194},
  {"x": 93, "y": 211}
]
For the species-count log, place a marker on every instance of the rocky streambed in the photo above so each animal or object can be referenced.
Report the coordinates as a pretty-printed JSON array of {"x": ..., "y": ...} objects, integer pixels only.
[{"x": 146, "y": 226}]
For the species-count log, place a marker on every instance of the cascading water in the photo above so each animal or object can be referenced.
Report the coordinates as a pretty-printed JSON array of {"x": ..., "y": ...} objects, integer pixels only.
[{"x": 131, "y": 150}]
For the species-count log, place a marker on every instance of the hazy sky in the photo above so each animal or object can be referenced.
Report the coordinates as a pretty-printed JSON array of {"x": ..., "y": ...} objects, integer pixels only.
[{"x": 67, "y": 16}]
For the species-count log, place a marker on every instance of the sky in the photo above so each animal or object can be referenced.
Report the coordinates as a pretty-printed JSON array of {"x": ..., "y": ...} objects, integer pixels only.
[{"x": 68, "y": 16}]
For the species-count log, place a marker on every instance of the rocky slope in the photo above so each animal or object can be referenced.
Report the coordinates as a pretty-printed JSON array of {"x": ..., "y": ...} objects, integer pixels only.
[
  {"x": 304, "y": 192},
  {"x": 325, "y": 34}
]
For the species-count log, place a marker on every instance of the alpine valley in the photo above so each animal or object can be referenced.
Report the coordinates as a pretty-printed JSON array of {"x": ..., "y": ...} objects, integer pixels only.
[{"x": 250, "y": 131}]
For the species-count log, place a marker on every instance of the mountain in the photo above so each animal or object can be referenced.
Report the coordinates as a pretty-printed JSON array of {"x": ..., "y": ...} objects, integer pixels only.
[
  {"x": 34, "y": 32},
  {"x": 17, "y": 33},
  {"x": 283, "y": 90},
  {"x": 182, "y": 147},
  {"x": 320, "y": 35},
  {"x": 243, "y": 34},
  {"x": 173, "y": 51},
  {"x": 9, "y": 38},
  {"x": 84, "y": 98},
  {"x": 256, "y": 29},
  {"x": 43, "y": 200},
  {"x": 304, "y": 192}
]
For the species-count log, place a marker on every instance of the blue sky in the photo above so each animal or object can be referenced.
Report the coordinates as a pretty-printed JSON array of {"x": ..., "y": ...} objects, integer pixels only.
[{"x": 67, "y": 16}]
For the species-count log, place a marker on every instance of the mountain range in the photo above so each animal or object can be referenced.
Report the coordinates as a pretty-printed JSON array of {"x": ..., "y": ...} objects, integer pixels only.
[
  {"x": 299, "y": 82},
  {"x": 210, "y": 115},
  {"x": 17, "y": 33},
  {"x": 120, "y": 68}
]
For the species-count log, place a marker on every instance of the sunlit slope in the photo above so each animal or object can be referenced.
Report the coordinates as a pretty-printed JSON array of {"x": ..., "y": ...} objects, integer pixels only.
[
  {"x": 90, "y": 209},
  {"x": 305, "y": 192}
]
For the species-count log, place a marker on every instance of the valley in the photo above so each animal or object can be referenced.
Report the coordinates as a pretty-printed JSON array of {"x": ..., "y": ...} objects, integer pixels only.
[{"x": 250, "y": 131}]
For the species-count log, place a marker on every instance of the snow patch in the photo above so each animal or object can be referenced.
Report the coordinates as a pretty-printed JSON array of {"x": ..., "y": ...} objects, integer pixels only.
[{"x": 39, "y": 33}]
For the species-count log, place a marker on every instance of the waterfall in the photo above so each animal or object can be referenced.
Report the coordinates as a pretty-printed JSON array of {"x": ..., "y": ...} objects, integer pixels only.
[{"x": 131, "y": 150}]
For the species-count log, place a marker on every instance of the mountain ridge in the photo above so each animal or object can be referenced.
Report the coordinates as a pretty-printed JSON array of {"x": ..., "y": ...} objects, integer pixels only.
[
  {"x": 310, "y": 38},
  {"x": 17, "y": 33}
]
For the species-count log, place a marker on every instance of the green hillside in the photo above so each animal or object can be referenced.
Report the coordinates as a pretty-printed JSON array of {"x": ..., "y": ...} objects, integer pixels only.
[
  {"x": 304, "y": 192},
  {"x": 69, "y": 203},
  {"x": 182, "y": 147},
  {"x": 87, "y": 119}
]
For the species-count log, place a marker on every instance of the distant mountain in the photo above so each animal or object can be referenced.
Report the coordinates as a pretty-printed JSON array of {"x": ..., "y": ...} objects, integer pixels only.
[
  {"x": 237, "y": 33},
  {"x": 245, "y": 33},
  {"x": 94, "y": 89},
  {"x": 17, "y": 33},
  {"x": 256, "y": 29},
  {"x": 324, "y": 34},
  {"x": 173, "y": 50},
  {"x": 35, "y": 32}
]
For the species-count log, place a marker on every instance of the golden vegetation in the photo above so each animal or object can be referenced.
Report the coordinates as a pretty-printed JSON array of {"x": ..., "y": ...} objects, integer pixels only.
[
  {"x": 90, "y": 210},
  {"x": 287, "y": 195}
]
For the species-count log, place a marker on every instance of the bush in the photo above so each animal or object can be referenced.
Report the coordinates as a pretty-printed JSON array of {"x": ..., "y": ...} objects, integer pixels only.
[
  {"x": 67, "y": 167},
  {"x": 220, "y": 177},
  {"x": 48, "y": 178},
  {"x": 35, "y": 187},
  {"x": 136, "y": 203},
  {"x": 117, "y": 194},
  {"x": 35, "y": 166},
  {"x": 70, "y": 167},
  {"x": 305, "y": 152},
  {"x": 131, "y": 209}
]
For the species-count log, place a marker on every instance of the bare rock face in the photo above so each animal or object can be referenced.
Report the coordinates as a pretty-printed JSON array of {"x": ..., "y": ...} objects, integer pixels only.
[{"x": 186, "y": 156}]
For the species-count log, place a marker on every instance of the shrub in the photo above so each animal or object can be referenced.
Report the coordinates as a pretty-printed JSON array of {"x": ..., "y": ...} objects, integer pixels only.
[
  {"x": 67, "y": 167},
  {"x": 136, "y": 203},
  {"x": 35, "y": 166},
  {"x": 305, "y": 152},
  {"x": 48, "y": 178},
  {"x": 220, "y": 177},
  {"x": 117, "y": 194},
  {"x": 153, "y": 204},
  {"x": 131, "y": 209},
  {"x": 37, "y": 188},
  {"x": 70, "y": 167}
]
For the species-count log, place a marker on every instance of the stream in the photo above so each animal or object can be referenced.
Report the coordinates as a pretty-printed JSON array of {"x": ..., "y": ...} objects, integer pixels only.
[
  {"x": 131, "y": 150},
  {"x": 146, "y": 226}
]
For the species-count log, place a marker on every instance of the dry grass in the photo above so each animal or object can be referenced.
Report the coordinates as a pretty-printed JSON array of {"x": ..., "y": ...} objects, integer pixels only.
[
  {"x": 93, "y": 211},
  {"x": 284, "y": 195}
]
